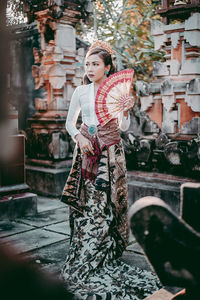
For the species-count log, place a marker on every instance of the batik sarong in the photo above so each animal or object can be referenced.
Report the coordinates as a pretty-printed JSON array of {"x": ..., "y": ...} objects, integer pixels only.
[{"x": 99, "y": 233}]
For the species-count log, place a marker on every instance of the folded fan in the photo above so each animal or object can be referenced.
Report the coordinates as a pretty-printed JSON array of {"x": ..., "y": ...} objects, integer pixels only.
[{"x": 112, "y": 95}]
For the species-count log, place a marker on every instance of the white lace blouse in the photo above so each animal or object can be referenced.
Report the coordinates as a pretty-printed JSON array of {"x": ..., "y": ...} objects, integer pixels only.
[{"x": 83, "y": 100}]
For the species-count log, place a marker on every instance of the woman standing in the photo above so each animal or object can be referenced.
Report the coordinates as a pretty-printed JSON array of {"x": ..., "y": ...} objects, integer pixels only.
[{"x": 96, "y": 191}]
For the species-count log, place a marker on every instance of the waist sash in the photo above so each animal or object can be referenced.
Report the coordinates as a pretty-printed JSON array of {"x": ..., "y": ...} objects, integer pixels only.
[{"x": 105, "y": 136}]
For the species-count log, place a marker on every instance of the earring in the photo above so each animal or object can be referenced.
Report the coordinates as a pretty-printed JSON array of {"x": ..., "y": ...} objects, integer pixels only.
[{"x": 106, "y": 72}]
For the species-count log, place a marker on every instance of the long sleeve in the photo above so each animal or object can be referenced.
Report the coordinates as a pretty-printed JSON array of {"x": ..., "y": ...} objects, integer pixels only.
[
  {"x": 73, "y": 113},
  {"x": 124, "y": 122}
]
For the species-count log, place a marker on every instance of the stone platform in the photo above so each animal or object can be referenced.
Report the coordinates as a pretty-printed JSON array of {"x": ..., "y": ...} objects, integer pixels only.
[{"x": 44, "y": 238}]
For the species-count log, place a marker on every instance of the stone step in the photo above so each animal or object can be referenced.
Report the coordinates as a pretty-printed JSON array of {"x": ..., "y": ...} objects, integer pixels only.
[{"x": 18, "y": 205}]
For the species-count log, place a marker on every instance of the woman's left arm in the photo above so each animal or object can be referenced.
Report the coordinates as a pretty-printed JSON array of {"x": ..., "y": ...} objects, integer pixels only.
[{"x": 124, "y": 120}]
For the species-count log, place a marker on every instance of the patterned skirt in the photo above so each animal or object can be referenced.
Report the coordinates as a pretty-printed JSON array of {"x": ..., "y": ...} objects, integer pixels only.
[{"x": 99, "y": 233}]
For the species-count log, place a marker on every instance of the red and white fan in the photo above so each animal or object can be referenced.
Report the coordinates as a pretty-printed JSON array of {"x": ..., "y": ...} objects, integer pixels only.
[{"x": 112, "y": 95}]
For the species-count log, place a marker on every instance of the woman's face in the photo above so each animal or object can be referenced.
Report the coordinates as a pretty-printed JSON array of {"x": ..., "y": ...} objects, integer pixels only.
[{"x": 95, "y": 68}]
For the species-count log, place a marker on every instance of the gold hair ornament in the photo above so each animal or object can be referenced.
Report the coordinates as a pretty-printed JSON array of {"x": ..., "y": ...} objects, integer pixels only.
[{"x": 101, "y": 44}]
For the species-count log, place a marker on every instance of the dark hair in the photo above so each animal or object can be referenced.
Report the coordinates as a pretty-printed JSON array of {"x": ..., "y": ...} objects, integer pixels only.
[{"x": 107, "y": 59}]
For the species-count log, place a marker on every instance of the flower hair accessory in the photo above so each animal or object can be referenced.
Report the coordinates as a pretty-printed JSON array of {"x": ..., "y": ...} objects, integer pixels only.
[{"x": 101, "y": 44}]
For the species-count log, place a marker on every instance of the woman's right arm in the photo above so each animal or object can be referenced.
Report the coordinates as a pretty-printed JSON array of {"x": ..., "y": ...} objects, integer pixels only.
[{"x": 73, "y": 113}]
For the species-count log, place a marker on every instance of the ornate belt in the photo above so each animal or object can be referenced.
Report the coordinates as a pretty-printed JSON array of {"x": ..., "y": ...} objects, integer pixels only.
[{"x": 92, "y": 130}]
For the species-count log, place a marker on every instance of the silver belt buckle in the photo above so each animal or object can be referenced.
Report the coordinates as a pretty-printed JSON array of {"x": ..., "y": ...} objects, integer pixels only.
[{"x": 92, "y": 129}]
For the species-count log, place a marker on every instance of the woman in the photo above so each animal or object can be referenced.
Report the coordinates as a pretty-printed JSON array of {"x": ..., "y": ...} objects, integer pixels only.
[{"x": 96, "y": 191}]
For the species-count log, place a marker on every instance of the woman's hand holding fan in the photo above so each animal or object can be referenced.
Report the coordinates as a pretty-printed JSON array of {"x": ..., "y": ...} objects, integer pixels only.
[
  {"x": 113, "y": 96},
  {"x": 129, "y": 103}
]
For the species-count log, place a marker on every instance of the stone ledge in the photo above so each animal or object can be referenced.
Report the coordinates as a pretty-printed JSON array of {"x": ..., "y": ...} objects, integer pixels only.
[
  {"x": 14, "y": 189},
  {"x": 18, "y": 205}
]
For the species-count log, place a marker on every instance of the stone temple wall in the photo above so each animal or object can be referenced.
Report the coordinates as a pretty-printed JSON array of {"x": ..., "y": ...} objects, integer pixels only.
[{"x": 165, "y": 132}]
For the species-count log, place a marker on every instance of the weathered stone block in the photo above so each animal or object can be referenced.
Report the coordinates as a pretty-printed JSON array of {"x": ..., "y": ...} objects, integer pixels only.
[
  {"x": 166, "y": 188},
  {"x": 166, "y": 87},
  {"x": 68, "y": 90},
  {"x": 154, "y": 88},
  {"x": 146, "y": 102},
  {"x": 65, "y": 37},
  {"x": 142, "y": 88},
  {"x": 191, "y": 66},
  {"x": 192, "y": 37},
  {"x": 57, "y": 76},
  {"x": 169, "y": 121},
  {"x": 192, "y": 127},
  {"x": 159, "y": 41},
  {"x": 168, "y": 102},
  {"x": 58, "y": 148},
  {"x": 157, "y": 27},
  {"x": 41, "y": 104},
  {"x": 174, "y": 67},
  {"x": 160, "y": 69},
  {"x": 58, "y": 104},
  {"x": 193, "y": 87},
  {"x": 193, "y": 22},
  {"x": 193, "y": 101},
  {"x": 46, "y": 181},
  {"x": 175, "y": 36}
]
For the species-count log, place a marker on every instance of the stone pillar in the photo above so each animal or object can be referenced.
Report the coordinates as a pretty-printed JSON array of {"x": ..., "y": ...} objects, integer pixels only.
[
  {"x": 15, "y": 201},
  {"x": 55, "y": 72},
  {"x": 15, "y": 198}
]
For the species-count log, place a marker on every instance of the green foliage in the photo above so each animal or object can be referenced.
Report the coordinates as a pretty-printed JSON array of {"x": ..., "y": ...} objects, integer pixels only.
[{"x": 127, "y": 28}]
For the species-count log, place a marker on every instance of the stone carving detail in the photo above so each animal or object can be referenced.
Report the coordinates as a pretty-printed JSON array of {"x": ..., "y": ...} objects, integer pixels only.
[
  {"x": 166, "y": 88},
  {"x": 193, "y": 101},
  {"x": 193, "y": 94},
  {"x": 168, "y": 102},
  {"x": 157, "y": 27},
  {"x": 192, "y": 30},
  {"x": 175, "y": 67},
  {"x": 191, "y": 127},
  {"x": 175, "y": 36},
  {"x": 159, "y": 41},
  {"x": 191, "y": 67},
  {"x": 48, "y": 145},
  {"x": 170, "y": 120},
  {"x": 142, "y": 88},
  {"x": 39, "y": 80},
  {"x": 193, "y": 87},
  {"x": 58, "y": 148},
  {"x": 160, "y": 69},
  {"x": 57, "y": 76},
  {"x": 146, "y": 102}
]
